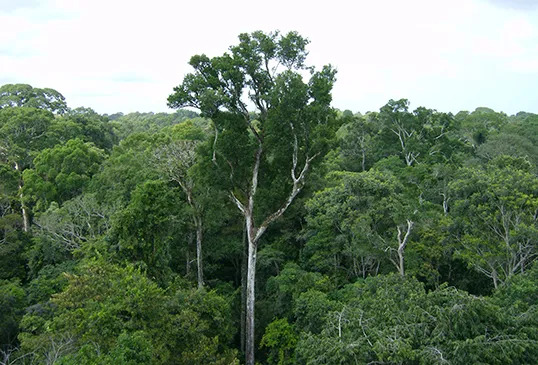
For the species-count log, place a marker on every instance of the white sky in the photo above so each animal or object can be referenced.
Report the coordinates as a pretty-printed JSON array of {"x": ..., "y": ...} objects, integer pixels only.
[{"x": 115, "y": 55}]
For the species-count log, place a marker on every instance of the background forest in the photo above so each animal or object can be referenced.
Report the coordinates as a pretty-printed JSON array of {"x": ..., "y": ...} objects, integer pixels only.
[{"x": 411, "y": 237}]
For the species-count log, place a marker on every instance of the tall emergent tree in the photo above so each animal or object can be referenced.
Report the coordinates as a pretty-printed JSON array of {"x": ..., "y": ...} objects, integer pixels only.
[{"x": 270, "y": 127}]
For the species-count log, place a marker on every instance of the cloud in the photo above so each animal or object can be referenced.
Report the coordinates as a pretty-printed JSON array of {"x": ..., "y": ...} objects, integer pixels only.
[
  {"x": 7, "y": 80},
  {"x": 516, "y": 4},
  {"x": 8, "y": 6},
  {"x": 446, "y": 56},
  {"x": 15, "y": 52},
  {"x": 130, "y": 77}
]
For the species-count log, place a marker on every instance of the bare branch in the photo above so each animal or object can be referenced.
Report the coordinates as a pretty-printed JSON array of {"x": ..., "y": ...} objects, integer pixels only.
[
  {"x": 402, "y": 244},
  {"x": 237, "y": 202},
  {"x": 214, "y": 158},
  {"x": 298, "y": 184}
]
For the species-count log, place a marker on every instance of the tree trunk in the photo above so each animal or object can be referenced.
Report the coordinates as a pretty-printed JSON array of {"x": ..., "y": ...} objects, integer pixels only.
[
  {"x": 401, "y": 258},
  {"x": 250, "y": 300},
  {"x": 244, "y": 291},
  {"x": 197, "y": 221},
  {"x": 255, "y": 233},
  {"x": 187, "y": 264},
  {"x": 25, "y": 218},
  {"x": 402, "y": 244},
  {"x": 199, "y": 236},
  {"x": 445, "y": 203},
  {"x": 495, "y": 279}
]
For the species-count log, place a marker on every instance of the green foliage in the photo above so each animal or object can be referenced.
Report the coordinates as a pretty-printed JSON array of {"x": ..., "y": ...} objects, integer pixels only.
[
  {"x": 311, "y": 309},
  {"x": 353, "y": 222},
  {"x": 61, "y": 173},
  {"x": 12, "y": 304},
  {"x": 90, "y": 127},
  {"x": 519, "y": 292},
  {"x": 12, "y": 246},
  {"x": 476, "y": 127},
  {"x": 103, "y": 273},
  {"x": 96, "y": 307},
  {"x": 130, "y": 349},
  {"x": 281, "y": 338},
  {"x": 423, "y": 135},
  {"x": 191, "y": 130},
  {"x": 285, "y": 288},
  {"x": 132, "y": 123},
  {"x": 60, "y": 231},
  {"x": 266, "y": 68},
  {"x": 23, "y": 95},
  {"x": 130, "y": 164},
  {"x": 8, "y": 185},
  {"x": 143, "y": 230},
  {"x": 514, "y": 145},
  {"x": 113, "y": 314},
  {"x": 262, "y": 157},
  {"x": 12, "y": 258},
  {"x": 50, "y": 280},
  {"x": 496, "y": 209},
  {"x": 12, "y": 239},
  {"x": 392, "y": 319},
  {"x": 357, "y": 141},
  {"x": 201, "y": 328},
  {"x": 94, "y": 302},
  {"x": 23, "y": 132}
]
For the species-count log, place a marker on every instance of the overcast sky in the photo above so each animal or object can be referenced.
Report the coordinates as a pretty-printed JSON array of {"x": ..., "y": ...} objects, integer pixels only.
[{"x": 115, "y": 55}]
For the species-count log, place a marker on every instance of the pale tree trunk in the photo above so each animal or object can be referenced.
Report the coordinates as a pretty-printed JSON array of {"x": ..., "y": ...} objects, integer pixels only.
[
  {"x": 401, "y": 246},
  {"x": 199, "y": 236},
  {"x": 250, "y": 297},
  {"x": 176, "y": 159},
  {"x": 254, "y": 233},
  {"x": 187, "y": 263},
  {"x": 446, "y": 198},
  {"x": 244, "y": 265},
  {"x": 25, "y": 218},
  {"x": 495, "y": 279},
  {"x": 197, "y": 220},
  {"x": 401, "y": 260}
]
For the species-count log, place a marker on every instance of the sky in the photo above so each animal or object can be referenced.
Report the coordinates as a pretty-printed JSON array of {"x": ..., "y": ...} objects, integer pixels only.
[{"x": 126, "y": 56}]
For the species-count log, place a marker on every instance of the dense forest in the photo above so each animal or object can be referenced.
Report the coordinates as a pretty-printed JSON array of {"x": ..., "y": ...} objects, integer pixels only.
[{"x": 258, "y": 224}]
